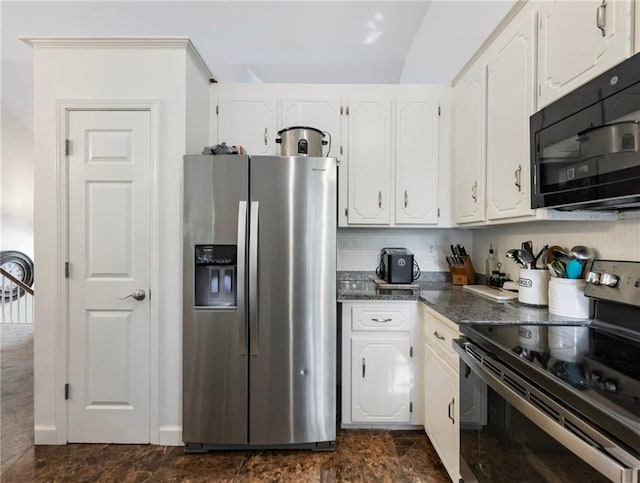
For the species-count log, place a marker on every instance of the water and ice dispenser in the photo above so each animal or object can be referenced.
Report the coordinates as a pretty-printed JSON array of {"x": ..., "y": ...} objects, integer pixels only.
[{"x": 215, "y": 273}]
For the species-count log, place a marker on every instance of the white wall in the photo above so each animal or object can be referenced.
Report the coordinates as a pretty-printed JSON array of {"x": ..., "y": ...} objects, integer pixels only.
[
  {"x": 439, "y": 49},
  {"x": 612, "y": 240},
  {"x": 118, "y": 73}
]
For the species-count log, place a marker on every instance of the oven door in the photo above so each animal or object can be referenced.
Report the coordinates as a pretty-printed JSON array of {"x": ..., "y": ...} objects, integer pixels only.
[{"x": 528, "y": 436}]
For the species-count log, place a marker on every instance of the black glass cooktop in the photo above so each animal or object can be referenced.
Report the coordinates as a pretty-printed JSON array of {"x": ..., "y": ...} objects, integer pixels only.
[{"x": 592, "y": 360}]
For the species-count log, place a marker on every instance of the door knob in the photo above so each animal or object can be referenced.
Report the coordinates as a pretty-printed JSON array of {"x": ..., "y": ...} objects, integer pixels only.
[{"x": 138, "y": 295}]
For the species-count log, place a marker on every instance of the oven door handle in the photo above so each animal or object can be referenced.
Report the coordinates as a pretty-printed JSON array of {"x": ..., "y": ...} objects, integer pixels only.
[{"x": 592, "y": 450}]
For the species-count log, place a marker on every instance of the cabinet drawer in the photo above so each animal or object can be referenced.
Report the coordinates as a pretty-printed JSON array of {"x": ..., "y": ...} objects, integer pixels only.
[
  {"x": 439, "y": 334},
  {"x": 381, "y": 318}
]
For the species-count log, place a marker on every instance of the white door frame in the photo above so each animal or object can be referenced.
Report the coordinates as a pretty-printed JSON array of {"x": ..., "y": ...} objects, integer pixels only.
[{"x": 62, "y": 328}]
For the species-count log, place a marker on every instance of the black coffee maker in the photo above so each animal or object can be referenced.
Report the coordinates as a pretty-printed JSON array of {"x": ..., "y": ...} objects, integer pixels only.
[{"x": 397, "y": 266}]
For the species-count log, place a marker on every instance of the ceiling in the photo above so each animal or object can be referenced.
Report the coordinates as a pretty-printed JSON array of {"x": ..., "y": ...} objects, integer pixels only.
[{"x": 294, "y": 41}]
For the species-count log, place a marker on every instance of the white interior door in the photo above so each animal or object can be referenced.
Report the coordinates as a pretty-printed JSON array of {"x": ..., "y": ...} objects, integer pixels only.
[{"x": 109, "y": 216}]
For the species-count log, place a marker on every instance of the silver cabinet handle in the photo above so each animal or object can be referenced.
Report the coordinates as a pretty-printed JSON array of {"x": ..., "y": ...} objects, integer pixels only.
[
  {"x": 474, "y": 192},
  {"x": 450, "y": 407},
  {"x": 517, "y": 177},
  {"x": 265, "y": 136},
  {"x": 242, "y": 249},
  {"x": 364, "y": 367},
  {"x": 438, "y": 336},
  {"x": 139, "y": 294},
  {"x": 406, "y": 198},
  {"x": 601, "y": 17},
  {"x": 379, "y": 199},
  {"x": 381, "y": 320},
  {"x": 254, "y": 298}
]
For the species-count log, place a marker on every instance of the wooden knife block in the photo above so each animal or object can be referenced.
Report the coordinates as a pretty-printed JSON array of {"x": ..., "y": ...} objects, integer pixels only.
[{"x": 463, "y": 274}]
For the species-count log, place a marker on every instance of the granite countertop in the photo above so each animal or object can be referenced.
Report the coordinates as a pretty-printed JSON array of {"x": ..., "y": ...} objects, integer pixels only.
[{"x": 451, "y": 301}]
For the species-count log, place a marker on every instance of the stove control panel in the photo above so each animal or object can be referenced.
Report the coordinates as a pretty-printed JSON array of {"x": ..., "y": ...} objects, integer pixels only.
[{"x": 617, "y": 281}]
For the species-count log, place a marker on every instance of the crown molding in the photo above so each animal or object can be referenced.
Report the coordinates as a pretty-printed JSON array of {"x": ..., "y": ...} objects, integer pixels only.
[{"x": 120, "y": 43}]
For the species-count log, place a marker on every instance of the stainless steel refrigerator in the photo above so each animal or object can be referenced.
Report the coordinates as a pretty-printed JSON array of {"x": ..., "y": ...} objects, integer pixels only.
[{"x": 259, "y": 302}]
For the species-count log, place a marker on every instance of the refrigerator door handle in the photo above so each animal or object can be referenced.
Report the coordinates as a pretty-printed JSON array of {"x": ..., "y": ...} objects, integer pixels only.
[
  {"x": 253, "y": 280},
  {"x": 242, "y": 254}
]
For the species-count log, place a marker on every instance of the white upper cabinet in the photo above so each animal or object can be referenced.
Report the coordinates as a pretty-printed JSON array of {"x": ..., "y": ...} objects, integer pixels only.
[
  {"x": 511, "y": 97},
  {"x": 319, "y": 112},
  {"x": 250, "y": 122},
  {"x": 416, "y": 170},
  {"x": 370, "y": 161},
  {"x": 469, "y": 146},
  {"x": 392, "y": 142},
  {"x": 579, "y": 40}
]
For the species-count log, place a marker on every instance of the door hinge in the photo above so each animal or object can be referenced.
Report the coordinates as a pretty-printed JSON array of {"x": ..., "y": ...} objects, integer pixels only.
[
  {"x": 66, "y": 391},
  {"x": 410, "y": 407},
  {"x": 149, "y": 294},
  {"x": 439, "y": 111},
  {"x": 438, "y": 212},
  {"x": 67, "y": 269},
  {"x": 66, "y": 147},
  {"x": 346, "y": 212},
  {"x": 217, "y": 110},
  {"x": 347, "y": 110},
  {"x": 340, "y": 150},
  {"x": 341, "y": 110},
  {"x": 539, "y": 89},
  {"x": 411, "y": 351}
]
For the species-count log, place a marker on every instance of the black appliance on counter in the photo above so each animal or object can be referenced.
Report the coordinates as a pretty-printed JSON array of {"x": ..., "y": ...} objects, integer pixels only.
[
  {"x": 560, "y": 402},
  {"x": 397, "y": 266},
  {"x": 585, "y": 147}
]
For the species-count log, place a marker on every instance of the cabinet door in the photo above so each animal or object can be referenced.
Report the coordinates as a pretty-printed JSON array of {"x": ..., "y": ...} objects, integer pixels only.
[
  {"x": 416, "y": 162},
  {"x": 250, "y": 122},
  {"x": 578, "y": 41},
  {"x": 510, "y": 102},
  {"x": 441, "y": 419},
  {"x": 380, "y": 380},
  {"x": 469, "y": 143},
  {"x": 369, "y": 161},
  {"x": 320, "y": 112}
]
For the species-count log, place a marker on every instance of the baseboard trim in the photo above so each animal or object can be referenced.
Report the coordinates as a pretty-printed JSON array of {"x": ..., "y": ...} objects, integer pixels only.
[
  {"x": 45, "y": 435},
  {"x": 171, "y": 436}
]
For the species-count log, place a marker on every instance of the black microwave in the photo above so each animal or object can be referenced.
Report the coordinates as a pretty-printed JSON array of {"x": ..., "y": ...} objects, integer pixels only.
[{"x": 585, "y": 147}]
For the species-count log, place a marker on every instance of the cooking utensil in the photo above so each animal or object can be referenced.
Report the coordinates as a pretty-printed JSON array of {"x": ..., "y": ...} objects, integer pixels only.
[
  {"x": 560, "y": 267},
  {"x": 550, "y": 252},
  {"x": 574, "y": 268},
  {"x": 554, "y": 271},
  {"x": 541, "y": 256},
  {"x": 561, "y": 255},
  {"x": 513, "y": 255},
  {"x": 581, "y": 252},
  {"x": 526, "y": 257}
]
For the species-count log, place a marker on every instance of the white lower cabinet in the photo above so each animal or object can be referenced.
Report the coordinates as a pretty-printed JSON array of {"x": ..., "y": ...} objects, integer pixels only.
[
  {"x": 441, "y": 421},
  {"x": 381, "y": 385},
  {"x": 380, "y": 380},
  {"x": 441, "y": 389}
]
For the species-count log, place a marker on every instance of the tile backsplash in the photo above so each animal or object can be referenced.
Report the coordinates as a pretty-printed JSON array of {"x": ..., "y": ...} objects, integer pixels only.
[
  {"x": 359, "y": 248},
  {"x": 611, "y": 240}
]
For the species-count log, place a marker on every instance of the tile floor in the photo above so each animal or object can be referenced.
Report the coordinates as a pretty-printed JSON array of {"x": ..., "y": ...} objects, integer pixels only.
[{"x": 360, "y": 456}]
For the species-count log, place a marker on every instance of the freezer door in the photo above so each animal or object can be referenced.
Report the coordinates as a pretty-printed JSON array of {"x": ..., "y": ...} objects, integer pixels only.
[
  {"x": 292, "y": 293},
  {"x": 215, "y": 366}
]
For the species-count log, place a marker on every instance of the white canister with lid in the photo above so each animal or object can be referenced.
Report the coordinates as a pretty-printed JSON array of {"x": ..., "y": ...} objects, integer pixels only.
[
  {"x": 567, "y": 299},
  {"x": 534, "y": 286}
]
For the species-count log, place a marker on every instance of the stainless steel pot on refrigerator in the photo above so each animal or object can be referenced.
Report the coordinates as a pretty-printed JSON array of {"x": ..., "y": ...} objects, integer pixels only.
[
  {"x": 302, "y": 141},
  {"x": 259, "y": 302}
]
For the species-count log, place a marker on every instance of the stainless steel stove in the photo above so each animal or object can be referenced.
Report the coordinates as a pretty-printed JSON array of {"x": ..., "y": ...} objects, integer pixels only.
[{"x": 562, "y": 400}]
